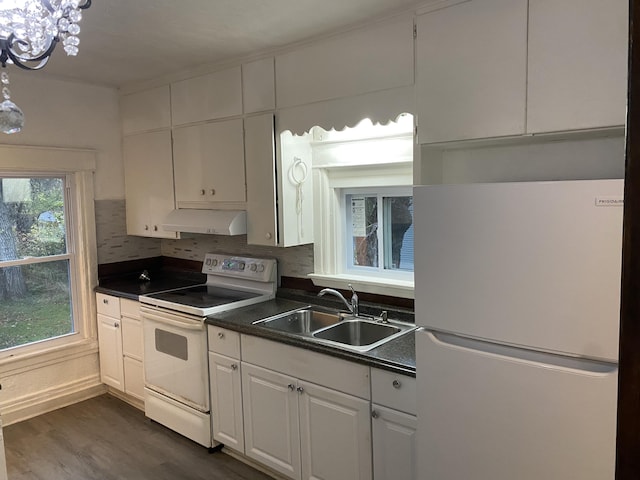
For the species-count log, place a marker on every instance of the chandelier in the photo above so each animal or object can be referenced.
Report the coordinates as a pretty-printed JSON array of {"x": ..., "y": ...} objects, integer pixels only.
[{"x": 29, "y": 32}]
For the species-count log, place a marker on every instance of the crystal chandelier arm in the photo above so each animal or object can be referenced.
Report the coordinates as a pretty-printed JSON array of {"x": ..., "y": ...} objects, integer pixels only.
[{"x": 9, "y": 52}]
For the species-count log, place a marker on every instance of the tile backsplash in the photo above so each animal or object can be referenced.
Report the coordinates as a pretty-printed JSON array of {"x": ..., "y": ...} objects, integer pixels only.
[
  {"x": 292, "y": 261},
  {"x": 114, "y": 245}
]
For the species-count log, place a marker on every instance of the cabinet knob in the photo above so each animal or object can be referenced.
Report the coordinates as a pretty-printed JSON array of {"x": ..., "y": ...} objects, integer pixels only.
[
  {"x": 268, "y": 236},
  {"x": 116, "y": 324},
  {"x": 155, "y": 228},
  {"x": 234, "y": 366},
  {"x": 213, "y": 191},
  {"x": 220, "y": 335},
  {"x": 374, "y": 414},
  {"x": 146, "y": 227},
  {"x": 291, "y": 387},
  {"x": 300, "y": 390},
  {"x": 202, "y": 192},
  {"x": 105, "y": 301},
  {"x": 396, "y": 384}
]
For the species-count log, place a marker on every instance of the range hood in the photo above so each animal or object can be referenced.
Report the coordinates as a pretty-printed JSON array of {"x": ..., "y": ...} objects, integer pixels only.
[{"x": 217, "y": 222}]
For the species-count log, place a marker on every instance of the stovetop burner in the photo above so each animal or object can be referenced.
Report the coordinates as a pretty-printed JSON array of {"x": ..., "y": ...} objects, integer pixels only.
[{"x": 204, "y": 296}]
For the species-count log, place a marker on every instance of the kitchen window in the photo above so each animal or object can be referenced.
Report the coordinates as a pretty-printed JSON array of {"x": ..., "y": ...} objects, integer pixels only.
[
  {"x": 379, "y": 227},
  {"x": 36, "y": 262},
  {"x": 47, "y": 252},
  {"x": 363, "y": 206}
]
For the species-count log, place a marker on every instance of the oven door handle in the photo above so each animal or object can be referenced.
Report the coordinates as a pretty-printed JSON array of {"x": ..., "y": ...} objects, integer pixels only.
[{"x": 189, "y": 325}]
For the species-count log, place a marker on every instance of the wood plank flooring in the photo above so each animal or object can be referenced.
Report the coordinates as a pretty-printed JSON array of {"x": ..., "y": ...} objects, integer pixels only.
[{"x": 104, "y": 438}]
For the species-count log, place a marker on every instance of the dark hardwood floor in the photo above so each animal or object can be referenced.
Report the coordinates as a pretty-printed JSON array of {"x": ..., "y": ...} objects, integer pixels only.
[{"x": 104, "y": 438}]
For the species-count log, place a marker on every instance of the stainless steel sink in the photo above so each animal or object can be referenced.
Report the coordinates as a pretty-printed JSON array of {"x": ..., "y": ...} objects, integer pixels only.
[
  {"x": 362, "y": 334},
  {"x": 336, "y": 328},
  {"x": 304, "y": 321}
]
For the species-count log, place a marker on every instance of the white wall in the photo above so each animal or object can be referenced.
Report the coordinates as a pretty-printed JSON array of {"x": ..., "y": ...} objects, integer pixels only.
[{"x": 61, "y": 113}]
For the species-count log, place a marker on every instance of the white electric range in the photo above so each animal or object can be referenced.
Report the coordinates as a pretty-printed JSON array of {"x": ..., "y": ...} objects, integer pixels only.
[{"x": 175, "y": 339}]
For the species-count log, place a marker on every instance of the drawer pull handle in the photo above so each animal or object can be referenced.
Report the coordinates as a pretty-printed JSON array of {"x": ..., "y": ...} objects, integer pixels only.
[
  {"x": 105, "y": 301},
  {"x": 116, "y": 324},
  {"x": 396, "y": 384},
  {"x": 234, "y": 366},
  {"x": 291, "y": 387},
  {"x": 220, "y": 335},
  {"x": 374, "y": 414},
  {"x": 300, "y": 390}
]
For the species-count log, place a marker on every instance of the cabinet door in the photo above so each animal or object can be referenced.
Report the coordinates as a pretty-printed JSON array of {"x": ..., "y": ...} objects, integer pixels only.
[
  {"x": 110, "y": 350},
  {"x": 215, "y": 95},
  {"x": 270, "y": 405},
  {"x": 471, "y": 70},
  {"x": 577, "y": 64},
  {"x": 132, "y": 344},
  {"x": 148, "y": 173},
  {"x": 261, "y": 183},
  {"x": 133, "y": 378},
  {"x": 335, "y": 434},
  {"x": 147, "y": 110},
  {"x": 209, "y": 162},
  {"x": 226, "y": 401},
  {"x": 394, "y": 444}
]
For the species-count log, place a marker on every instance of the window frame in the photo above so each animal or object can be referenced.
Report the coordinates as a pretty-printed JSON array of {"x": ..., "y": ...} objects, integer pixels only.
[
  {"x": 343, "y": 230},
  {"x": 329, "y": 240},
  {"x": 77, "y": 166}
]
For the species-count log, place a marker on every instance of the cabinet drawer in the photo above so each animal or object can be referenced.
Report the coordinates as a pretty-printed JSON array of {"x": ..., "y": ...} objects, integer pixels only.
[
  {"x": 129, "y": 308},
  {"x": 393, "y": 390},
  {"x": 108, "y": 305},
  {"x": 318, "y": 368},
  {"x": 225, "y": 342}
]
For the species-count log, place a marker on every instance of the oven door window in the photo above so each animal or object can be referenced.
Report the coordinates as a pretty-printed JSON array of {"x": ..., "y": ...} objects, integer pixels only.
[{"x": 172, "y": 344}]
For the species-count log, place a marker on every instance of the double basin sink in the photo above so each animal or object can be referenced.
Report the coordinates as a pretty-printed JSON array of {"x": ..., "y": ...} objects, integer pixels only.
[{"x": 357, "y": 333}]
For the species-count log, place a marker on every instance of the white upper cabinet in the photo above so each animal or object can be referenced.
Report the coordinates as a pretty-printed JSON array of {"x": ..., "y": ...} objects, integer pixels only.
[
  {"x": 147, "y": 110},
  {"x": 216, "y": 95},
  {"x": 209, "y": 163},
  {"x": 471, "y": 70},
  {"x": 373, "y": 58},
  {"x": 262, "y": 228},
  {"x": 148, "y": 175},
  {"x": 496, "y": 68},
  {"x": 258, "y": 86},
  {"x": 577, "y": 64}
]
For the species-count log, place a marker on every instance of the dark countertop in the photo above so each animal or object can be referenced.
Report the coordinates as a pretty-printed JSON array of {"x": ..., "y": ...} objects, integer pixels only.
[
  {"x": 397, "y": 355},
  {"x": 129, "y": 286}
]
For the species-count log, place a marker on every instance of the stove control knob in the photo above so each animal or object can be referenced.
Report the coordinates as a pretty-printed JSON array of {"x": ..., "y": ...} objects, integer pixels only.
[
  {"x": 215, "y": 262},
  {"x": 254, "y": 267},
  {"x": 260, "y": 267},
  {"x": 241, "y": 266},
  {"x": 208, "y": 261}
]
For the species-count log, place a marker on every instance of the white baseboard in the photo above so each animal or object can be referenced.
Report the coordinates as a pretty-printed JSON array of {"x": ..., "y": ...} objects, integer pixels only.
[
  {"x": 252, "y": 463},
  {"x": 44, "y": 401},
  {"x": 133, "y": 401}
]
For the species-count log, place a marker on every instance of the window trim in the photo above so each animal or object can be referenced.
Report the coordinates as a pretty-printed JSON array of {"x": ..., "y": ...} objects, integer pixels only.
[
  {"x": 78, "y": 165},
  {"x": 329, "y": 250}
]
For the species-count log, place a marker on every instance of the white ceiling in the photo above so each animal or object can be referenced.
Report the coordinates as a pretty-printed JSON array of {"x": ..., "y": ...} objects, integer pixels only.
[{"x": 127, "y": 41}]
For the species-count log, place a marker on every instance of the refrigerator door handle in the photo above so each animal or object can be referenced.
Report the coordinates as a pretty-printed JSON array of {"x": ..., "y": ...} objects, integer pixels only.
[{"x": 518, "y": 354}]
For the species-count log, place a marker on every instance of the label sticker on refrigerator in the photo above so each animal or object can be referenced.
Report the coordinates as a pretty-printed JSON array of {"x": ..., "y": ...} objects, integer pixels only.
[{"x": 610, "y": 201}]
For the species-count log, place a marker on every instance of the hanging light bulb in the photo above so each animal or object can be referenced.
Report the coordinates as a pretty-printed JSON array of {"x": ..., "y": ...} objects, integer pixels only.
[{"x": 29, "y": 32}]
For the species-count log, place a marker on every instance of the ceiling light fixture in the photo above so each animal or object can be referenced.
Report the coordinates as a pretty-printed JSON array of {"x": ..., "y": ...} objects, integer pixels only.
[{"x": 29, "y": 32}]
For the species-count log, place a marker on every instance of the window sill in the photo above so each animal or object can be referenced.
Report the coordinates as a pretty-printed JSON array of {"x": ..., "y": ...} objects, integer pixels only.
[
  {"x": 47, "y": 356},
  {"x": 379, "y": 286}
]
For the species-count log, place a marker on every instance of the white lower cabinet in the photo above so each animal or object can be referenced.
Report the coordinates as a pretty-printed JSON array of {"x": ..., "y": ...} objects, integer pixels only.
[
  {"x": 271, "y": 419},
  {"x": 110, "y": 348},
  {"x": 120, "y": 344},
  {"x": 226, "y": 401},
  {"x": 303, "y": 430},
  {"x": 394, "y": 444},
  {"x": 394, "y": 424}
]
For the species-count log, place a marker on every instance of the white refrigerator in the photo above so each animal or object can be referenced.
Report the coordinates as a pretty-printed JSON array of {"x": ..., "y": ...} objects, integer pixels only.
[{"x": 517, "y": 286}]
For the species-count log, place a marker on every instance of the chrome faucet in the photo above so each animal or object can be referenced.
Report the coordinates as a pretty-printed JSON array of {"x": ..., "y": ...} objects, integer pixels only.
[{"x": 353, "y": 306}]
